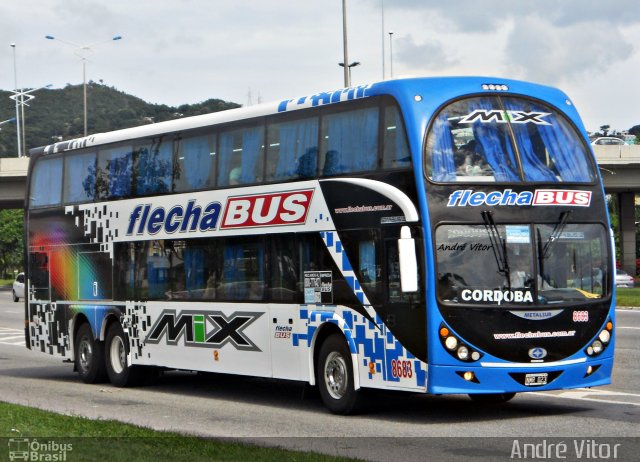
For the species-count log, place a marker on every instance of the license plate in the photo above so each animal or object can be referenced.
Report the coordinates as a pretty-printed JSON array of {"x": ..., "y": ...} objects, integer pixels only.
[{"x": 535, "y": 380}]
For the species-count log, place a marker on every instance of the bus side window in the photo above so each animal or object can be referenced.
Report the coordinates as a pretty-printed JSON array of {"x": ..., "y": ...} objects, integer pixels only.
[
  {"x": 113, "y": 177},
  {"x": 395, "y": 152},
  {"x": 79, "y": 178},
  {"x": 195, "y": 163},
  {"x": 153, "y": 167},
  {"x": 241, "y": 156},
  {"x": 314, "y": 257},
  {"x": 350, "y": 141},
  {"x": 292, "y": 149},
  {"x": 363, "y": 248},
  {"x": 243, "y": 271},
  {"x": 283, "y": 282},
  {"x": 45, "y": 183}
]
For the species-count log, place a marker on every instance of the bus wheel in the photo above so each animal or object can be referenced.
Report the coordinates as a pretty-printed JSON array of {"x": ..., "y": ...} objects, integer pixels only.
[
  {"x": 492, "y": 398},
  {"x": 335, "y": 376},
  {"x": 89, "y": 356},
  {"x": 116, "y": 350},
  {"x": 15, "y": 297}
]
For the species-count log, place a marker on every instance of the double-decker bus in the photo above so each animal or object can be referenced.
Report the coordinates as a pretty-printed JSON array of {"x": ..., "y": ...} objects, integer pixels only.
[{"x": 437, "y": 235}]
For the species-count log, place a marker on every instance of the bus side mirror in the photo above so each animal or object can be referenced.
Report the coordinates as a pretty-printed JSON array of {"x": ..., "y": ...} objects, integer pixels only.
[{"x": 408, "y": 261}]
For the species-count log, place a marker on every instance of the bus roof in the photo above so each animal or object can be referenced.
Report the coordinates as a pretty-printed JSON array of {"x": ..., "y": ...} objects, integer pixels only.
[{"x": 435, "y": 90}]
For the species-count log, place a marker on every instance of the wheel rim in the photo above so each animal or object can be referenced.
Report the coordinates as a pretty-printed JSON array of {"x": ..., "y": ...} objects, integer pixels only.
[
  {"x": 336, "y": 375},
  {"x": 85, "y": 353},
  {"x": 118, "y": 355}
]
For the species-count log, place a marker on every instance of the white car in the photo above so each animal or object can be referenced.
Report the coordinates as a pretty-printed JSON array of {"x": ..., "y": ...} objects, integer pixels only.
[
  {"x": 623, "y": 279},
  {"x": 607, "y": 141},
  {"x": 18, "y": 287}
]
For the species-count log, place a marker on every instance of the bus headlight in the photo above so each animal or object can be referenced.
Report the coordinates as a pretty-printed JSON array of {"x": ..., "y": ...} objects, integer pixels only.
[
  {"x": 456, "y": 347},
  {"x": 451, "y": 342},
  {"x": 597, "y": 347},
  {"x": 602, "y": 340},
  {"x": 463, "y": 353}
]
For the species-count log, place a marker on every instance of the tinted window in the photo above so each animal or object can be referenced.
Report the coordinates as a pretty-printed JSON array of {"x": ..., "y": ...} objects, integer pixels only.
[
  {"x": 496, "y": 138},
  {"x": 349, "y": 142},
  {"x": 241, "y": 156},
  {"x": 45, "y": 182},
  {"x": 395, "y": 152},
  {"x": 80, "y": 178},
  {"x": 154, "y": 167},
  {"x": 292, "y": 149},
  {"x": 195, "y": 165},
  {"x": 113, "y": 179}
]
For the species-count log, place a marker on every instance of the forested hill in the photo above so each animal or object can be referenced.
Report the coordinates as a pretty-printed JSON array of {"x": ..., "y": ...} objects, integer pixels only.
[{"x": 58, "y": 114}]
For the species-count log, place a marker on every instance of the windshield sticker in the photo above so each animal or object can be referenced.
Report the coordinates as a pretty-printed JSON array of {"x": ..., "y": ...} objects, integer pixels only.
[
  {"x": 496, "y": 296},
  {"x": 517, "y": 234},
  {"x": 502, "y": 117},
  {"x": 539, "y": 197}
]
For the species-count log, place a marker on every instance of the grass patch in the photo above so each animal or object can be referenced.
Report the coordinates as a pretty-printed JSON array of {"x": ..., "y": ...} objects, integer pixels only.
[
  {"x": 628, "y": 297},
  {"x": 114, "y": 441}
]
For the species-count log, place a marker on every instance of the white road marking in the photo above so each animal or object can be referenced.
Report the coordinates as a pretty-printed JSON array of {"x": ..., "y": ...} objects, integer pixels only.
[{"x": 588, "y": 394}]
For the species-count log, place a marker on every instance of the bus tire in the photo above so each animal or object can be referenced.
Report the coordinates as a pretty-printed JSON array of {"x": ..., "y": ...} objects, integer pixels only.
[
  {"x": 492, "y": 398},
  {"x": 15, "y": 297},
  {"x": 120, "y": 373},
  {"x": 335, "y": 377},
  {"x": 89, "y": 356}
]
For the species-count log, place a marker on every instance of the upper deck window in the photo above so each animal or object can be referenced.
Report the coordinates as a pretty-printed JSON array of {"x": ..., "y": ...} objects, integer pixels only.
[
  {"x": 505, "y": 139},
  {"x": 45, "y": 182}
]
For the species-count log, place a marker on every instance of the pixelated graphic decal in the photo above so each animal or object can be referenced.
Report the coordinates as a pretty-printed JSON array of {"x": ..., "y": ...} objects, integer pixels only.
[
  {"x": 334, "y": 245},
  {"x": 96, "y": 219},
  {"x": 46, "y": 333},
  {"x": 380, "y": 352}
]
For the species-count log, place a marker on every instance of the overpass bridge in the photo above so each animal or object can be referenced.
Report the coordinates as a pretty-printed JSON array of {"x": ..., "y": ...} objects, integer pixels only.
[{"x": 619, "y": 166}]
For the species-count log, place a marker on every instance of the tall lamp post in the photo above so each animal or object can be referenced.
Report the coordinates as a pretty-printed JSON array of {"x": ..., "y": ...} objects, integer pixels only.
[
  {"x": 15, "y": 78},
  {"x": 353, "y": 64},
  {"x": 22, "y": 98},
  {"x": 347, "y": 80},
  {"x": 83, "y": 52},
  {"x": 391, "y": 53}
]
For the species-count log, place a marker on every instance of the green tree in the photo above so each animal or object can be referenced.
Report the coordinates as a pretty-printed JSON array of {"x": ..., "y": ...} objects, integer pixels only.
[{"x": 11, "y": 241}]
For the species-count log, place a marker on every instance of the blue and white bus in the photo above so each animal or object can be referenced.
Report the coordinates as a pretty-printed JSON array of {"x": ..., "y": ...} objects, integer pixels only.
[{"x": 437, "y": 235}]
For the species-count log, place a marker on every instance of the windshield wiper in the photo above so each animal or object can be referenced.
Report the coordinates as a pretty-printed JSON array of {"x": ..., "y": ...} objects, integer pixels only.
[
  {"x": 498, "y": 244},
  {"x": 555, "y": 234}
]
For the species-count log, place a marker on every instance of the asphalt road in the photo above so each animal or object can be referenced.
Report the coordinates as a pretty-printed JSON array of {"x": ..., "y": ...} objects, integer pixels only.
[{"x": 397, "y": 425}]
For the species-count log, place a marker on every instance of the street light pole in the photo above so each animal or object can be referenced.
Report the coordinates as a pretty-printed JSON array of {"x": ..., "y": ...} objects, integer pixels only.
[
  {"x": 383, "y": 57},
  {"x": 391, "y": 53},
  {"x": 22, "y": 97},
  {"x": 15, "y": 78},
  {"x": 347, "y": 80},
  {"x": 83, "y": 52},
  {"x": 353, "y": 64}
]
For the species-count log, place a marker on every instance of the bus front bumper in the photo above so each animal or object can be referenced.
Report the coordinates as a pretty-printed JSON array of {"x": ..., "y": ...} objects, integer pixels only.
[{"x": 513, "y": 379}]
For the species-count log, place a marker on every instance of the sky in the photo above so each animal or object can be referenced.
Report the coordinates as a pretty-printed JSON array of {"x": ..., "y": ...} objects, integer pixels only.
[{"x": 248, "y": 51}]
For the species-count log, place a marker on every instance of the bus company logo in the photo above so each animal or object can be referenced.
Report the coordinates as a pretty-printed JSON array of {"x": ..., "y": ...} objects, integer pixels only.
[
  {"x": 537, "y": 353},
  {"x": 204, "y": 329},
  {"x": 147, "y": 220},
  {"x": 539, "y": 197},
  {"x": 502, "y": 117},
  {"x": 274, "y": 209}
]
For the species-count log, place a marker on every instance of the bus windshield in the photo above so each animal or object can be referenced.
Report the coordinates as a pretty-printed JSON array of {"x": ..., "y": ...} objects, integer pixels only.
[
  {"x": 505, "y": 139},
  {"x": 521, "y": 265}
]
